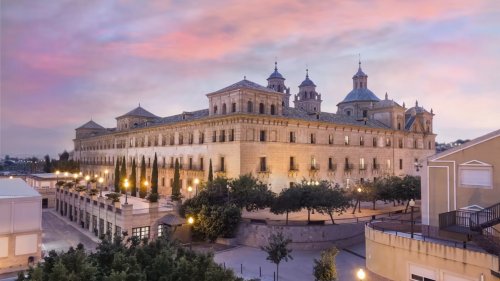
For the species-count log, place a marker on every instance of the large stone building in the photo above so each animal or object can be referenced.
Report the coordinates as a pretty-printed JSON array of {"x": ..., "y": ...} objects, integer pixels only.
[{"x": 249, "y": 128}]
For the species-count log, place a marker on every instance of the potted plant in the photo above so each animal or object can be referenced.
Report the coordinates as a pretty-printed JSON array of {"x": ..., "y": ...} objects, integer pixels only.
[
  {"x": 69, "y": 185},
  {"x": 60, "y": 183},
  {"x": 80, "y": 189},
  {"x": 93, "y": 193},
  {"x": 115, "y": 198},
  {"x": 153, "y": 197}
]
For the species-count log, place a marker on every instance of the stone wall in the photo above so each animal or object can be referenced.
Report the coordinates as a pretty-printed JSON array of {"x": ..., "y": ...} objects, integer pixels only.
[{"x": 305, "y": 237}]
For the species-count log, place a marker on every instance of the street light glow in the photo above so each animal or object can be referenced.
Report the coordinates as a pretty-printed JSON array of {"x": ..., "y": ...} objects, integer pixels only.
[
  {"x": 361, "y": 274},
  {"x": 87, "y": 177},
  {"x": 196, "y": 181},
  {"x": 359, "y": 189},
  {"x": 101, "y": 180},
  {"x": 190, "y": 220},
  {"x": 190, "y": 189}
]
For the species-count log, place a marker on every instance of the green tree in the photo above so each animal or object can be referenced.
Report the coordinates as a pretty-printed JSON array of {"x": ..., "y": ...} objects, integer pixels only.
[
  {"x": 47, "y": 166},
  {"x": 154, "y": 176},
  {"x": 117, "y": 175},
  {"x": 176, "y": 186},
  {"x": 331, "y": 199},
  {"x": 288, "y": 201},
  {"x": 325, "y": 268},
  {"x": 133, "y": 179},
  {"x": 217, "y": 221},
  {"x": 210, "y": 171},
  {"x": 278, "y": 250},
  {"x": 123, "y": 174},
  {"x": 142, "y": 179},
  {"x": 247, "y": 192}
]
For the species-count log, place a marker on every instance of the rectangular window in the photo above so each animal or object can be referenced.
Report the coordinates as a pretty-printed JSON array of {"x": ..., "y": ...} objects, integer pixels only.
[
  {"x": 162, "y": 230},
  {"x": 388, "y": 164},
  {"x": 346, "y": 140},
  {"x": 387, "y": 142},
  {"x": 314, "y": 165},
  {"x": 172, "y": 163},
  {"x": 141, "y": 232},
  {"x": 201, "y": 163},
  {"x": 476, "y": 176},
  {"x": 262, "y": 135},
  {"x": 172, "y": 140},
  {"x": 222, "y": 164},
  {"x": 190, "y": 163},
  {"x": 361, "y": 141},
  {"x": 400, "y": 143},
  {"x": 231, "y": 135},
  {"x": 214, "y": 136},
  {"x": 163, "y": 181},
  {"x": 222, "y": 137},
  {"x": 375, "y": 165},
  {"x": 292, "y": 163},
  {"x": 401, "y": 164},
  {"x": 362, "y": 164},
  {"x": 202, "y": 138},
  {"x": 292, "y": 136},
  {"x": 330, "y": 164},
  {"x": 313, "y": 138},
  {"x": 374, "y": 142},
  {"x": 181, "y": 139},
  {"x": 330, "y": 139},
  {"x": 263, "y": 164},
  {"x": 191, "y": 138},
  {"x": 109, "y": 228},
  {"x": 118, "y": 231}
]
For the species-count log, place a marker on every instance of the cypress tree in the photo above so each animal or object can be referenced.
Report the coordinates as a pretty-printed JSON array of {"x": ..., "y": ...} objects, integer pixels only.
[
  {"x": 176, "y": 187},
  {"x": 210, "y": 171},
  {"x": 142, "y": 179},
  {"x": 154, "y": 176},
  {"x": 117, "y": 175},
  {"x": 123, "y": 174},
  {"x": 133, "y": 179}
]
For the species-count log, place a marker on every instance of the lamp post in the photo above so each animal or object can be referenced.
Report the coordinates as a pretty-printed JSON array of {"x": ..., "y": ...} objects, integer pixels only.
[
  {"x": 412, "y": 205},
  {"x": 146, "y": 183},
  {"x": 101, "y": 180},
  {"x": 106, "y": 175},
  {"x": 359, "y": 199},
  {"x": 126, "y": 184},
  {"x": 417, "y": 166},
  {"x": 361, "y": 274},
  {"x": 87, "y": 179},
  {"x": 190, "y": 190},
  {"x": 196, "y": 182}
]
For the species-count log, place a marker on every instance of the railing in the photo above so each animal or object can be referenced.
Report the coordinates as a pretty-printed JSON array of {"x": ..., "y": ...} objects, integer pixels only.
[
  {"x": 485, "y": 218},
  {"x": 455, "y": 218}
]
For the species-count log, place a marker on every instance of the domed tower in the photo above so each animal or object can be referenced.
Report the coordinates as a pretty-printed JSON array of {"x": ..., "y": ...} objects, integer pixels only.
[
  {"x": 359, "y": 101},
  {"x": 308, "y": 99},
  {"x": 276, "y": 81}
]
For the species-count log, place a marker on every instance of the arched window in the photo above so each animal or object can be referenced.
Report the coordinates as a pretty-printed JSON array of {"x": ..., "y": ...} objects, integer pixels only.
[
  {"x": 273, "y": 109},
  {"x": 215, "y": 109},
  {"x": 250, "y": 107},
  {"x": 261, "y": 108},
  {"x": 233, "y": 107},
  {"x": 224, "y": 110}
]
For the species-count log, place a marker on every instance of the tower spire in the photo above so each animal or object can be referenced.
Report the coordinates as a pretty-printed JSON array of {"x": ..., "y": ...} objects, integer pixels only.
[
  {"x": 307, "y": 72},
  {"x": 359, "y": 60}
]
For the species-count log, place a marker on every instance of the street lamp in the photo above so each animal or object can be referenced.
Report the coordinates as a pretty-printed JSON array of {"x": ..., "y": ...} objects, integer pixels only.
[
  {"x": 101, "y": 180},
  {"x": 417, "y": 165},
  {"x": 359, "y": 199},
  {"x": 106, "y": 175},
  {"x": 361, "y": 274},
  {"x": 146, "y": 183},
  {"x": 65, "y": 174},
  {"x": 412, "y": 205},
  {"x": 126, "y": 184},
  {"x": 190, "y": 220},
  {"x": 190, "y": 189},
  {"x": 196, "y": 182}
]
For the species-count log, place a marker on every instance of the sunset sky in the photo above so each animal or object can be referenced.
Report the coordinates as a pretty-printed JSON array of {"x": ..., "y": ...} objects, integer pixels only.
[{"x": 65, "y": 62}]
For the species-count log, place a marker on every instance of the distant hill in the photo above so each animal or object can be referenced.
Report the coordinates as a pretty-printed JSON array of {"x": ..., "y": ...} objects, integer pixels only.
[{"x": 440, "y": 147}]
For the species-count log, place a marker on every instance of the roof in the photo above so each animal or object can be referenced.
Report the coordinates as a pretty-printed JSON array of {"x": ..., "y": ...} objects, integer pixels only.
[
  {"x": 139, "y": 112},
  {"x": 50, "y": 176},
  {"x": 275, "y": 74},
  {"x": 386, "y": 103},
  {"x": 474, "y": 142},
  {"x": 244, "y": 84},
  {"x": 91, "y": 125},
  {"x": 409, "y": 122},
  {"x": 307, "y": 81},
  {"x": 360, "y": 73},
  {"x": 332, "y": 118},
  {"x": 16, "y": 188},
  {"x": 360, "y": 94}
]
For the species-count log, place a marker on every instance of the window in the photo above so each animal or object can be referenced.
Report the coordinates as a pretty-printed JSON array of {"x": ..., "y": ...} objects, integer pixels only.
[
  {"x": 190, "y": 163},
  {"x": 162, "y": 181},
  {"x": 292, "y": 163},
  {"x": 400, "y": 143},
  {"x": 215, "y": 109},
  {"x": 181, "y": 139},
  {"x": 262, "y": 135},
  {"x": 263, "y": 164},
  {"x": 231, "y": 135},
  {"x": 201, "y": 164},
  {"x": 346, "y": 140},
  {"x": 348, "y": 113},
  {"x": 118, "y": 231},
  {"x": 477, "y": 176},
  {"x": 222, "y": 164},
  {"x": 171, "y": 162},
  {"x": 190, "y": 138},
  {"x": 399, "y": 126},
  {"x": 330, "y": 164},
  {"x": 429, "y": 145},
  {"x": 249, "y": 107},
  {"x": 292, "y": 136},
  {"x": 401, "y": 164},
  {"x": 388, "y": 164},
  {"x": 361, "y": 141},
  {"x": 233, "y": 107},
  {"x": 172, "y": 140},
  {"x": 374, "y": 141},
  {"x": 222, "y": 137},
  {"x": 387, "y": 142},
  {"x": 109, "y": 228},
  {"x": 375, "y": 165},
  {"x": 141, "y": 232},
  {"x": 313, "y": 138},
  {"x": 330, "y": 139},
  {"x": 214, "y": 136},
  {"x": 162, "y": 230},
  {"x": 273, "y": 110},
  {"x": 314, "y": 166},
  {"x": 224, "y": 109},
  {"x": 415, "y": 144},
  {"x": 261, "y": 108},
  {"x": 362, "y": 164},
  {"x": 365, "y": 113}
]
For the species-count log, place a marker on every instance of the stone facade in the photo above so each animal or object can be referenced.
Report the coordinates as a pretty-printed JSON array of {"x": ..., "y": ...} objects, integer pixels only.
[{"x": 249, "y": 128}]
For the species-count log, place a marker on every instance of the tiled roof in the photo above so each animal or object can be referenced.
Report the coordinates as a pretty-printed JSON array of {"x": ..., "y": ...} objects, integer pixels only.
[
  {"x": 360, "y": 94},
  {"x": 409, "y": 122},
  {"x": 244, "y": 84},
  {"x": 91, "y": 125},
  {"x": 139, "y": 111}
]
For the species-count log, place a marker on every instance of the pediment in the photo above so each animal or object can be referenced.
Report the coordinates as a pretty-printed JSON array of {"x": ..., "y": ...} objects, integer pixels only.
[{"x": 475, "y": 163}]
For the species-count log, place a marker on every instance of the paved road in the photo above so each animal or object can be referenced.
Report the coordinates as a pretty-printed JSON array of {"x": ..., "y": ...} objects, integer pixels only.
[
  {"x": 300, "y": 268},
  {"x": 59, "y": 234}
]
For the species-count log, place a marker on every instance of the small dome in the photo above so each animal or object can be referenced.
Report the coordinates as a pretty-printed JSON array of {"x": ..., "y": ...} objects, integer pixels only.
[
  {"x": 360, "y": 94},
  {"x": 275, "y": 74},
  {"x": 360, "y": 73},
  {"x": 307, "y": 81}
]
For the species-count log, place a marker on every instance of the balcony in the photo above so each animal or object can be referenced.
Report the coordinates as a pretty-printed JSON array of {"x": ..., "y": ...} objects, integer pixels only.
[{"x": 348, "y": 167}]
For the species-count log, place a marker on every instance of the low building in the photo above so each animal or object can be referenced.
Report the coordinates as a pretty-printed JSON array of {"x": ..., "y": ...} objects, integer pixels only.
[
  {"x": 45, "y": 184},
  {"x": 131, "y": 216},
  {"x": 460, "y": 231},
  {"x": 20, "y": 225}
]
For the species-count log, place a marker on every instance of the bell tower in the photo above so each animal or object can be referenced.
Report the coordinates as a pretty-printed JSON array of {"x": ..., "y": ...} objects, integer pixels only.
[
  {"x": 276, "y": 81},
  {"x": 308, "y": 99}
]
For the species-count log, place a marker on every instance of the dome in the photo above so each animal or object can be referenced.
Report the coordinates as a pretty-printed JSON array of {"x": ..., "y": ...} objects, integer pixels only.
[
  {"x": 275, "y": 74},
  {"x": 307, "y": 81},
  {"x": 360, "y": 94},
  {"x": 360, "y": 73}
]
